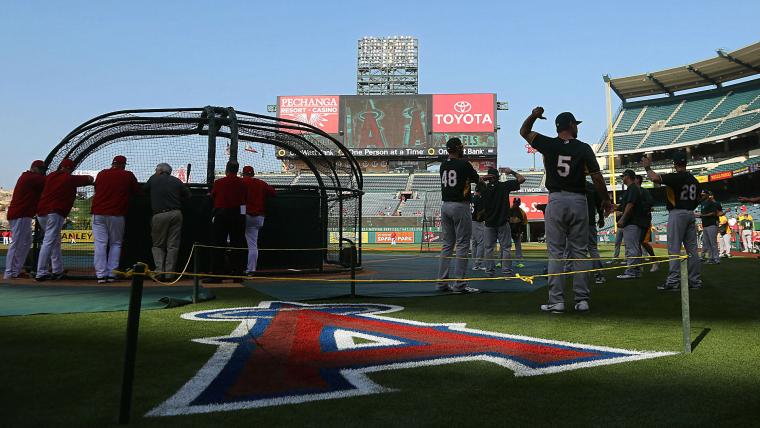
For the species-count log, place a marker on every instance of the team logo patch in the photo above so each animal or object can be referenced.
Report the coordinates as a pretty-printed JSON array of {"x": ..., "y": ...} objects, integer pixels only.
[{"x": 285, "y": 353}]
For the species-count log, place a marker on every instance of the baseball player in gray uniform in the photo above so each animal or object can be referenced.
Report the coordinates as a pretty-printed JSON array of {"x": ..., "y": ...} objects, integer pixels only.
[
  {"x": 682, "y": 197},
  {"x": 477, "y": 245},
  {"x": 456, "y": 217},
  {"x": 567, "y": 161}
]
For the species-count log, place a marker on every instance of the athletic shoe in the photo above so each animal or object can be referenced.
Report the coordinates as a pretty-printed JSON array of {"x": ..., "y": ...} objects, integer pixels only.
[
  {"x": 42, "y": 278},
  {"x": 627, "y": 276},
  {"x": 609, "y": 262},
  {"x": 600, "y": 280},
  {"x": 443, "y": 288},
  {"x": 668, "y": 287},
  {"x": 250, "y": 273},
  {"x": 111, "y": 279},
  {"x": 582, "y": 306},
  {"x": 477, "y": 268},
  {"x": 102, "y": 280},
  {"x": 57, "y": 276},
  {"x": 465, "y": 290},
  {"x": 520, "y": 265},
  {"x": 695, "y": 286},
  {"x": 556, "y": 308},
  {"x": 508, "y": 273},
  {"x": 655, "y": 268}
]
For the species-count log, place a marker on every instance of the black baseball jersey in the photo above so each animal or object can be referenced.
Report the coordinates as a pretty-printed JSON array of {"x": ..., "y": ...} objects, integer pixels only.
[
  {"x": 638, "y": 215},
  {"x": 496, "y": 202},
  {"x": 682, "y": 191},
  {"x": 647, "y": 202},
  {"x": 476, "y": 206},
  {"x": 567, "y": 162},
  {"x": 456, "y": 177},
  {"x": 594, "y": 204},
  {"x": 709, "y": 206}
]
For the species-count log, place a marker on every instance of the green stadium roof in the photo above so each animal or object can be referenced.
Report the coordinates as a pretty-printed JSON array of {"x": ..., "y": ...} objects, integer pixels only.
[{"x": 725, "y": 67}]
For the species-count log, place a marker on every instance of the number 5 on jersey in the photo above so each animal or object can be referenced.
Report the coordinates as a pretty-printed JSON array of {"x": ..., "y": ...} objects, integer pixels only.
[
  {"x": 563, "y": 165},
  {"x": 449, "y": 178}
]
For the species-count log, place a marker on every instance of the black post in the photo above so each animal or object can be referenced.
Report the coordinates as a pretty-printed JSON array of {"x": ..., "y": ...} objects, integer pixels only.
[
  {"x": 211, "y": 163},
  {"x": 196, "y": 269},
  {"x": 353, "y": 269},
  {"x": 133, "y": 324}
]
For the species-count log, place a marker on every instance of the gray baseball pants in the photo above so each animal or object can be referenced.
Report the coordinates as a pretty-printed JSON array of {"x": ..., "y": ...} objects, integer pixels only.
[
  {"x": 21, "y": 230},
  {"x": 618, "y": 242},
  {"x": 504, "y": 235},
  {"x": 567, "y": 229},
  {"x": 682, "y": 229},
  {"x": 710, "y": 242},
  {"x": 456, "y": 228},
  {"x": 632, "y": 237},
  {"x": 107, "y": 234},
  {"x": 747, "y": 240},
  {"x": 166, "y": 232},
  {"x": 477, "y": 243}
]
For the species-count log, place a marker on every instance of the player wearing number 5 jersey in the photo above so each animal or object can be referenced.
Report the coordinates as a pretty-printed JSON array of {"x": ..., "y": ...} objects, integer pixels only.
[
  {"x": 456, "y": 219},
  {"x": 682, "y": 198},
  {"x": 567, "y": 161}
]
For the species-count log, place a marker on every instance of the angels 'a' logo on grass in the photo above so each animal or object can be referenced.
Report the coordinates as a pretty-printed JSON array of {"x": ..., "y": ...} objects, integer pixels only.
[{"x": 282, "y": 353}]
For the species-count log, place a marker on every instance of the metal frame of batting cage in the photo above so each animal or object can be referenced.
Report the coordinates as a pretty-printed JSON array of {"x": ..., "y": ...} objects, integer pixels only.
[{"x": 317, "y": 150}]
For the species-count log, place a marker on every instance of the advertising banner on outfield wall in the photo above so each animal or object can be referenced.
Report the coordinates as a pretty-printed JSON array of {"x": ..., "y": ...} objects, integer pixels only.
[
  {"x": 528, "y": 204},
  {"x": 702, "y": 178},
  {"x": 321, "y": 111},
  {"x": 741, "y": 171},
  {"x": 464, "y": 113},
  {"x": 725, "y": 175},
  {"x": 76, "y": 236},
  {"x": 471, "y": 139},
  {"x": 398, "y": 237}
]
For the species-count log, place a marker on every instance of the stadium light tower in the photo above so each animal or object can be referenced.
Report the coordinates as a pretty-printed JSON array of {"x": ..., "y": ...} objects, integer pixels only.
[{"x": 387, "y": 66}]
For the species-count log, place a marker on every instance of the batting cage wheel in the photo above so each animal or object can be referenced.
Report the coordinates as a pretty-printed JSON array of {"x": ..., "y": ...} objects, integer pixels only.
[{"x": 316, "y": 213}]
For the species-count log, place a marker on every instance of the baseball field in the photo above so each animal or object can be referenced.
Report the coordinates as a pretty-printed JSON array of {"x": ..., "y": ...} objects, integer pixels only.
[{"x": 65, "y": 370}]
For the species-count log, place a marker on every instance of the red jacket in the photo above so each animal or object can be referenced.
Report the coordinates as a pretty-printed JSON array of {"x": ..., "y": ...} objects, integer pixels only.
[
  {"x": 228, "y": 192},
  {"x": 60, "y": 192},
  {"x": 113, "y": 188},
  {"x": 258, "y": 192},
  {"x": 26, "y": 195}
]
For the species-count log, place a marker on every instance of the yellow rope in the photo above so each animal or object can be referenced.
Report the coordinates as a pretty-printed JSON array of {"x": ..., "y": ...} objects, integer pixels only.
[{"x": 525, "y": 278}]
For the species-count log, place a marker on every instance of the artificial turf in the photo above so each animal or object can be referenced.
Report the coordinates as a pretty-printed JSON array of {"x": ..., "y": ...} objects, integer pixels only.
[{"x": 65, "y": 370}]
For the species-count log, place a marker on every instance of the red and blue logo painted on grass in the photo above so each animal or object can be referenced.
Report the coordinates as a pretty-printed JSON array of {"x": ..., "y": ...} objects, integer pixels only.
[{"x": 285, "y": 353}]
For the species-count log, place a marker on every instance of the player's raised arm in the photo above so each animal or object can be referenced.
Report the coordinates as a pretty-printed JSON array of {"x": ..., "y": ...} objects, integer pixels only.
[
  {"x": 647, "y": 164},
  {"x": 755, "y": 200},
  {"x": 526, "y": 130}
]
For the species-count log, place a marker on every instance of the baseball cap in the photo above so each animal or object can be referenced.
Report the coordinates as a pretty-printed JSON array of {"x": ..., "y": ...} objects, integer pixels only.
[
  {"x": 679, "y": 157},
  {"x": 565, "y": 119},
  {"x": 493, "y": 171},
  {"x": 119, "y": 160},
  {"x": 744, "y": 208},
  {"x": 247, "y": 169},
  {"x": 38, "y": 164},
  {"x": 629, "y": 173},
  {"x": 516, "y": 201},
  {"x": 453, "y": 144},
  {"x": 67, "y": 163}
]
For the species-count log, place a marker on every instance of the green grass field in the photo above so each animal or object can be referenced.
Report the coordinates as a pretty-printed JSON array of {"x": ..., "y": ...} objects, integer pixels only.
[{"x": 65, "y": 370}]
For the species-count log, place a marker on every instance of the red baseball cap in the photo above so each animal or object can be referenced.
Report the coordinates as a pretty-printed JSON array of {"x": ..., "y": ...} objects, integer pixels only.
[
  {"x": 247, "y": 169},
  {"x": 119, "y": 160},
  {"x": 38, "y": 164},
  {"x": 744, "y": 208},
  {"x": 67, "y": 163}
]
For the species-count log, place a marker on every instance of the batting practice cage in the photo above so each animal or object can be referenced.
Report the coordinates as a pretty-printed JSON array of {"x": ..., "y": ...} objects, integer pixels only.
[{"x": 313, "y": 221}]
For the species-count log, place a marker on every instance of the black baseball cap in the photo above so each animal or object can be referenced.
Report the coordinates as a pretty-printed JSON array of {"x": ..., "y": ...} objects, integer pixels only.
[
  {"x": 679, "y": 157},
  {"x": 565, "y": 119},
  {"x": 453, "y": 144},
  {"x": 629, "y": 173},
  {"x": 493, "y": 171}
]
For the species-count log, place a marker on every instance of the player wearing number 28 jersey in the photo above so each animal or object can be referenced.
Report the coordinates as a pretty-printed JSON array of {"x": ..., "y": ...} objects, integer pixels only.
[
  {"x": 683, "y": 197},
  {"x": 567, "y": 161},
  {"x": 456, "y": 219}
]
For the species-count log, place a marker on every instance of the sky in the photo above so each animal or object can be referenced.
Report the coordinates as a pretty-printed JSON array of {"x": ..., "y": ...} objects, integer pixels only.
[{"x": 62, "y": 63}]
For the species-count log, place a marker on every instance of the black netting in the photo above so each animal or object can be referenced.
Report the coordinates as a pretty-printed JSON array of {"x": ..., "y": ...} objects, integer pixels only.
[{"x": 181, "y": 138}]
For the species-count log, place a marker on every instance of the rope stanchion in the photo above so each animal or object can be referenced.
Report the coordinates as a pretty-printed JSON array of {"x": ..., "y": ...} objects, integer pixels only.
[
  {"x": 130, "y": 352},
  {"x": 685, "y": 315}
]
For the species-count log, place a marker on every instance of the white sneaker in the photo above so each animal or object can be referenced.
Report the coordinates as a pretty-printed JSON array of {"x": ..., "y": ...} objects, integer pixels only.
[
  {"x": 465, "y": 290},
  {"x": 556, "y": 308},
  {"x": 627, "y": 276},
  {"x": 477, "y": 268},
  {"x": 582, "y": 306},
  {"x": 655, "y": 268}
]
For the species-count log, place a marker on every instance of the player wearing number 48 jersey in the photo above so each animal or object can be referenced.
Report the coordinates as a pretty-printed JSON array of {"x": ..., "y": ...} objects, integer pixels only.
[
  {"x": 456, "y": 219},
  {"x": 567, "y": 161},
  {"x": 682, "y": 197}
]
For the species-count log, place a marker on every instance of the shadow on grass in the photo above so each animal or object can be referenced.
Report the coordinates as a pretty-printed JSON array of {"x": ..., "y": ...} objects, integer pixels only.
[{"x": 698, "y": 339}]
